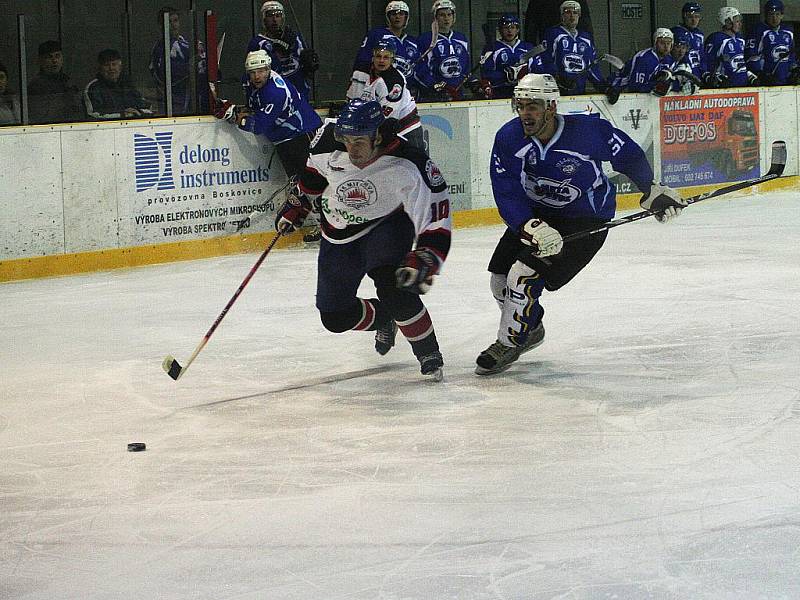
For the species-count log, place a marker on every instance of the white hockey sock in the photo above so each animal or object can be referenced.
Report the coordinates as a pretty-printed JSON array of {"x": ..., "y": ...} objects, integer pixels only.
[{"x": 497, "y": 284}]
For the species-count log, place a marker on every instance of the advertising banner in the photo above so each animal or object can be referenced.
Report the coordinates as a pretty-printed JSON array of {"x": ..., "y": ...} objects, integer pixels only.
[
  {"x": 183, "y": 183},
  {"x": 709, "y": 139},
  {"x": 446, "y": 133}
]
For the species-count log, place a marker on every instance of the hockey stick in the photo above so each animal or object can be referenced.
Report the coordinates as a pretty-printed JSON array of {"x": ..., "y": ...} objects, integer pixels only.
[
  {"x": 172, "y": 366},
  {"x": 775, "y": 170},
  {"x": 615, "y": 62},
  {"x": 246, "y": 222},
  {"x": 523, "y": 60},
  {"x": 434, "y": 39}
]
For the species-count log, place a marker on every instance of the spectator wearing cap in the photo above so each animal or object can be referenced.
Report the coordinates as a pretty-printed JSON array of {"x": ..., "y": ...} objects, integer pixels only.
[
  {"x": 9, "y": 101},
  {"x": 770, "y": 50},
  {"x": 51, "y": 96},
  {"x": 691, "y": 15},
  {"x": 110, "y": 95},
  {"x": 543, "y": 14},
  {"x": 501, "y": 57}
]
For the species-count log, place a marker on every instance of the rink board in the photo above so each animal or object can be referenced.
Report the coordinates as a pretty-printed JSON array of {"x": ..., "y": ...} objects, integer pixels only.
[{"x": 91, "y": 196}]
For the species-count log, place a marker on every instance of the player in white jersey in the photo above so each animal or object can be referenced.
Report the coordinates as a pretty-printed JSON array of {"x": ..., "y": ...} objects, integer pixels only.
[
  {"x": 386, "y": 215},
  {"x": 387, "y": 85}
]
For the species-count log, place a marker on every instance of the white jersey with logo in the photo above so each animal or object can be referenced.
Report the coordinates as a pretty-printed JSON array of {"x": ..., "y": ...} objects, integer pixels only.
[
  {"x": 390, "y": 90},
  {"x": 353, "y": 200}
]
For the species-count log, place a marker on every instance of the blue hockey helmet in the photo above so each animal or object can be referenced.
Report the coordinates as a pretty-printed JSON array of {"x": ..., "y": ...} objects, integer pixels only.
[
  {"x": 359, "y": 118},
  {"x": 773, "y": 6},
  {"x": 385, "y": 45},
  {"x": 691, "y": 7},
  {"x": 682, "y": 37},
  {"x": 507, "y": 20}
]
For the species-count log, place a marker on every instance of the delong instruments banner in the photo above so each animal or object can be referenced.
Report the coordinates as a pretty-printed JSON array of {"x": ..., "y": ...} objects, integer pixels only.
[{"x": 709, "y": 139}]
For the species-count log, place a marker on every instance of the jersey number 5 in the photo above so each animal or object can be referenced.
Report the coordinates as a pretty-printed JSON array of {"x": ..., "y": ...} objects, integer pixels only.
[{"x": 440, "y": 210}]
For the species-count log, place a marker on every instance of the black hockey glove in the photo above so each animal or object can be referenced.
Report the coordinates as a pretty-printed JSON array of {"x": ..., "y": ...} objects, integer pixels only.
[
  {"x": 663, "y": 201},
  {"x": 309, "y": 61},
  {"x": 566, "y": 84},
  {"x": 663, "y": 83},
  {"x": 416, "y": 272},
  {"x": 292, "y": 214},
  {"x": 612, "y": 94},
  {"x": 794, "y": 75}
]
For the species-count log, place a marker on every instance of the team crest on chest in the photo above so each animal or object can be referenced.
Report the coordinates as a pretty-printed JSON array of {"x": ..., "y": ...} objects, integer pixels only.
[
  {"x": 568, "y": 165},
  {"x": 357, "y": 193}
]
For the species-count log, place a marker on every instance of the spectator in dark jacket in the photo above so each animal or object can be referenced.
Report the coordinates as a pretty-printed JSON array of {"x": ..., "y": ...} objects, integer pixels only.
[
  {"x": 51, "y": 96},
  {"x": 543, "y": 14},
  {"x": 110, "y": 96},
  {"x": 9, "y": 102}
]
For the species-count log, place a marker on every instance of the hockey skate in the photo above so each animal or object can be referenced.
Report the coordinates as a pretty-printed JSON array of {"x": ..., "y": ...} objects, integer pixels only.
[
  {"x": 498, "y": 357},
  {"x": 431, "y": 365},
  {"x": 385, "y": 336}
]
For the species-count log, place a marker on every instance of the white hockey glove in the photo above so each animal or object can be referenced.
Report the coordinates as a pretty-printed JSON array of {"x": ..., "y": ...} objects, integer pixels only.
[
  {"x": 358, "y": 81},
  {"x": 543, "y": 239},
  {"x": 664, "y": 202}
]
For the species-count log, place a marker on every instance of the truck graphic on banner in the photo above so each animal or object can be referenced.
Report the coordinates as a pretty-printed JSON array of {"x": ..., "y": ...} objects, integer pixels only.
[{"x": 709, "y": 139}]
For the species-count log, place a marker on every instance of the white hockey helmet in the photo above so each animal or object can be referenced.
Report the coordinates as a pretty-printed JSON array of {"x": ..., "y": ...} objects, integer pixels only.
[
  {"x": 663, "y": 33},
  {"x": 537, "y": 86},
  {"x": 259, "y": 59},
  {"x": 397, "y": 6},
  {"x": 727, "y": 13},
  {"x": 571, "y": 4},
  {"x": 271, "y": 7},
  {"x": 443, "y": 5}
]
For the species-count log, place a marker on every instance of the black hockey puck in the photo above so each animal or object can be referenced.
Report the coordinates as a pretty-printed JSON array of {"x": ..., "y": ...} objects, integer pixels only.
[{"x": 136, "y": 447}]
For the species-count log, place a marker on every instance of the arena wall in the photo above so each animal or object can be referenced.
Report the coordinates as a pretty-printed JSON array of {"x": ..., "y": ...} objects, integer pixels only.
[{"x": 90, "y": 196}]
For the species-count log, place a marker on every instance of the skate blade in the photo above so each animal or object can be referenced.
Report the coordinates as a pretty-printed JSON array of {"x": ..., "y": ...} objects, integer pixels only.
[{"x": 479, "y": 370}]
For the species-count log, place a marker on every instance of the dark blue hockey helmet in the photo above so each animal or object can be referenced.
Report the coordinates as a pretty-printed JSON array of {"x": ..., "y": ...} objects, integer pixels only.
[
  {"x": 773, "y": 6},
  {"x": 359, "y": 118},
  {"x": 507, "y": 20},
  {"x": 385, "y": 45},
  {"x": 691, "y": 7},
  {"x": 682, "y": 37}
]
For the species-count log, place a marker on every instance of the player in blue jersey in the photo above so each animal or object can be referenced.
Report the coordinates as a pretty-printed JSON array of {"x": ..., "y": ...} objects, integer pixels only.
[
  {"x": 650, "y": 70},
  {"x": 770, "y": 50},
  {"x": 291, "y": 56},
  {"x": 385, "y": 215},
  {"x": 548, "y": 182},
  {"x": 275, "y": 110},
  {"x": 440, "y": 74},
  {"x": 695, "y": 54},
  {"x": 571, "y": 56},
  {"x": 725, "y": 53},
  {"x": 406, "y": 51},
  {"x": 503, "y": 54}
]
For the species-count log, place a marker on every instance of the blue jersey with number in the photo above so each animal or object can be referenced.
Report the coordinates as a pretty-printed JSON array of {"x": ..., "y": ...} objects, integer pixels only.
[
  {"x": 565, "y": 176},
  {"x": 696, "y": 53},
  {"x": 280, "y": 113},
  {"x": 639, "y": 73},
  {"x": 771, "y": 51},
  {"x": 725, "y": 54}
]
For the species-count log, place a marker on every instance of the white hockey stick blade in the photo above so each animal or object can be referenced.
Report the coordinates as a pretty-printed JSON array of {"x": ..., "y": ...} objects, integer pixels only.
[
  {"x": 778, "y": 163},
  {"x": 615, "y": 62}
]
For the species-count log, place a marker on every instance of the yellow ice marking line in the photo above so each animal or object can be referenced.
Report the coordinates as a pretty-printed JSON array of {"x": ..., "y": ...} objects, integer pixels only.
[{"x": 137, "y": 256}]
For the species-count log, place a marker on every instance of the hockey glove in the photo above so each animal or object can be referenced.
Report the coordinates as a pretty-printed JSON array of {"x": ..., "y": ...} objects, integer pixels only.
[
  {"x": 663, "y": 201},
  {"x": 663, "y": 83},
  {"x": 309, "y": 61},
  {"x": 543, "y": 239},
  {"x": 516, "y": 72},
  {"x": 794, "y": 75},
  {"x": 566, "y": 84},
  {"x": 612, "y": 94},
  {"x": 752, "y": 78},
  {"x": 226, "y": 110},
  {"x": 416, "y": 272},
  {"x": 487, "y": 89},
  {"x": 292, "y": 214}
]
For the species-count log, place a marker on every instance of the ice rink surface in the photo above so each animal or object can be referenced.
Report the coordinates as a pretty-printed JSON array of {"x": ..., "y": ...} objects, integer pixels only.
[{"x": 650, "y": 448}]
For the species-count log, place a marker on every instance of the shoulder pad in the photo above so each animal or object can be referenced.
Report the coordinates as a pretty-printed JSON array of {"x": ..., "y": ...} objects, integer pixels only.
[{"x": 428, "y": 169}]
